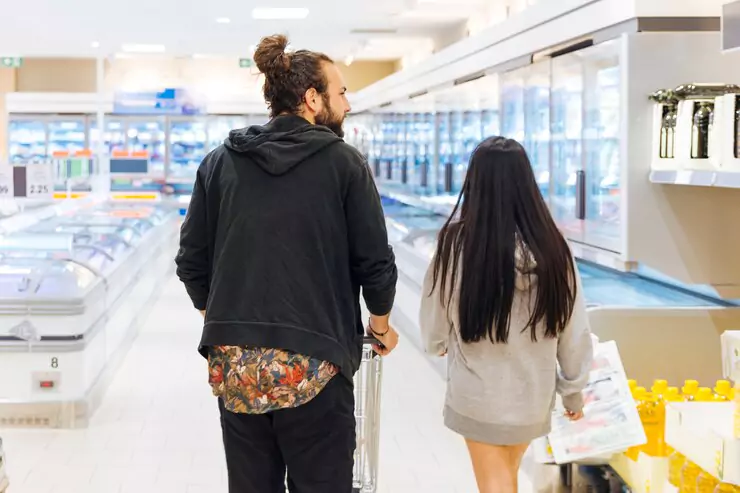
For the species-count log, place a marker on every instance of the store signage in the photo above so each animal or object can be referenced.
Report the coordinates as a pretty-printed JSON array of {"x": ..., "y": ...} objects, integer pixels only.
[
  {"x": 6, "y": 182},
  {"x": 39, "y": 181},
  {"x": 33, "y": 181},
  {"x": 11, "y": 62},
  {"x": 246, "y": 63},
  {"x": 166, "y": 102}
]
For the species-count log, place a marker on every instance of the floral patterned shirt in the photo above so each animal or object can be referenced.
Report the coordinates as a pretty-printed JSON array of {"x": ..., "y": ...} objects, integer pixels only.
[{"x": 261, "y": 380}]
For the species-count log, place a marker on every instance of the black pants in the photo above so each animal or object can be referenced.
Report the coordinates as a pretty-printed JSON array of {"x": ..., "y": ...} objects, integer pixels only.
[{"x": 314, "y": 442}]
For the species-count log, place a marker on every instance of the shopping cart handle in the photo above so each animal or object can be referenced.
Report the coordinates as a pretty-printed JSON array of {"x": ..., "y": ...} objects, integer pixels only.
[{"x": 370, "y": 339}]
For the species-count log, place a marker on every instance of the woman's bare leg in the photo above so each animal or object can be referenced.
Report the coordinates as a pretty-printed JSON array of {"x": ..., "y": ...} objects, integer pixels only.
[{"x": 496, "y": 467}]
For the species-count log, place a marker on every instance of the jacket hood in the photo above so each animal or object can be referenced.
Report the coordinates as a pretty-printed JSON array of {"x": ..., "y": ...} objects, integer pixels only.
[{"x": 282, "y": 144}]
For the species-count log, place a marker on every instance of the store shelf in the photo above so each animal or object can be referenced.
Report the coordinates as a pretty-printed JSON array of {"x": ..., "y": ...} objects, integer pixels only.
[
  {"x": 703, "y": 433},
  {"x": 644, "y": 475},
  {"x": 696, "y": 178}
]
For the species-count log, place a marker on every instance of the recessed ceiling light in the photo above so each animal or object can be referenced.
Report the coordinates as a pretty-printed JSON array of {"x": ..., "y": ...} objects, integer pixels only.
[
  {"x": 223, "y": 20},
  {"x": 279, "y": 13},
  {"x": 142, "y": 48},
  {"x": 95, "y": 44}
]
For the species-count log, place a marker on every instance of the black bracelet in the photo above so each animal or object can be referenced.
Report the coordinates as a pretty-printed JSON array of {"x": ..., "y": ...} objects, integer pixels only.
[{"x": 373, "y": 330}]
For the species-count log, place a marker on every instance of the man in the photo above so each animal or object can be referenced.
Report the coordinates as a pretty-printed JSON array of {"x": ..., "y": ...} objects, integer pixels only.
[{"x": 284, "y": 229}]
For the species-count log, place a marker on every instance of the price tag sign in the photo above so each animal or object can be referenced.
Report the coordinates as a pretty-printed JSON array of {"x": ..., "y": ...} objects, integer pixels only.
[
  {"x": 39, "y": 181},
  {"x": 6, "y": 182}
]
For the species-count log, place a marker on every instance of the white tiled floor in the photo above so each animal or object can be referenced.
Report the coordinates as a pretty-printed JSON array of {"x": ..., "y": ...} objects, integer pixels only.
[{"x": 158, "y": 429}]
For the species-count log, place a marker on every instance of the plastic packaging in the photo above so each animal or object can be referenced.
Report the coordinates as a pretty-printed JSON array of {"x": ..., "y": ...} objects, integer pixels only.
[
  {"x": 706, "y": 483},
  {"x": 727, "y": 488},
  {"x": 676, "y": 462},
  {"x": 689, "y": 475}
]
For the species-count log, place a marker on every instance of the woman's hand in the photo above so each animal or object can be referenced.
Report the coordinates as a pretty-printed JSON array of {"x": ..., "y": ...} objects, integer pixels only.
[{"x": 574, "y": 416}]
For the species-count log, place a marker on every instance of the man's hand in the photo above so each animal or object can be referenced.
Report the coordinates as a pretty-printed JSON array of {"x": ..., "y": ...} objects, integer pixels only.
[
  {"x": 203, "y": 312},
  {"x": 380, "y": 328}
]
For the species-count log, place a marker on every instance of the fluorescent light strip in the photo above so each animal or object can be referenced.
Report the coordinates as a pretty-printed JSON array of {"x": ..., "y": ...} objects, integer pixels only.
[
  {"x": 140, "y": 48},
  {"x": 279, "y": 13}
]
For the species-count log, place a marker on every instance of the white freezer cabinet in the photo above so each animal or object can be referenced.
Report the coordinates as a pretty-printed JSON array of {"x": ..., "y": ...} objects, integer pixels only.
[{"x": 72, "y": 289}]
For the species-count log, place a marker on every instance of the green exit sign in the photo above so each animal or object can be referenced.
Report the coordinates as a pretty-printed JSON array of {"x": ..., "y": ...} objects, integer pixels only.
[
  {"x": 11, "y": 62},
  {"x": 246, "y": 63}
]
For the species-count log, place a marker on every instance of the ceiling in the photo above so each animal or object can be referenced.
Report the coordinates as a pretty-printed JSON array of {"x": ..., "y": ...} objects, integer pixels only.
[{"x": 361, "y": 29}]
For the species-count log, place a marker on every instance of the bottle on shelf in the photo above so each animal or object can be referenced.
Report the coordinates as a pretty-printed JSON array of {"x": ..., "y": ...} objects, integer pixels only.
[
  {"x": 673, "y": 395},
  {"x": 633, "y": 385},
  {"x": 689, "y": 389},
  {"x": 723, "y": 390},
  {"x": 701, "y": 128},
  {"x": 704, "y": 394},
  {"x": 659, "y": 388},
  {"x": 676, "y": 463},
  {"x": 648, "y": 408},
  {"x": 689, "y": 475},
  {"x": 727, "y": 488},
  {"x": 737, "y": 410},
  {"x": 706, "y": 483},
  {"x": 703, "y": 91},
  {"x": 669, "y": 102}
]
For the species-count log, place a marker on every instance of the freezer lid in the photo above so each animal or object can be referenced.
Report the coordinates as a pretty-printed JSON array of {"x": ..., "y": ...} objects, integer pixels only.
[{"x": 38, "y": 281}]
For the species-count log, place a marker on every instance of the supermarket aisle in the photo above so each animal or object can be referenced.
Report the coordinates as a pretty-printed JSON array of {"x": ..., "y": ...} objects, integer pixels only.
[{"x": 158, "y": 431}]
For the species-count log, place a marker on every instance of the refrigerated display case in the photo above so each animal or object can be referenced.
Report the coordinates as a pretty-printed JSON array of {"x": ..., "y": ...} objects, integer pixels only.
[
  {"x": 567, "y": 143},
  {"x": 149, "y": 135},
  {"x": 445, "y": 152},
  {"x": 601, "y": 146},
  {"x": 114, "y": 135},
  {"x": 458, "y": 164},
  {"x": 26, "y": 139},
  {"x": 72, "y": 288},
  {"x": 537, "y": 123},
  {"x": 189, "y": 144},
  {"x": 472, "y": 134},
  {"x": 400, "y": 128},
  {"x": 66, "y": 135}
]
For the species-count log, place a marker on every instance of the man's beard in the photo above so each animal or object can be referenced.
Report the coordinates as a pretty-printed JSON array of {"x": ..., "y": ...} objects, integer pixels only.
[{"x": 328, "y": 119}]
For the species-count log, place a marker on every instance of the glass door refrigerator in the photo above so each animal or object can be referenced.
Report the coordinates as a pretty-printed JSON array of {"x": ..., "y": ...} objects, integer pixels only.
[
  {"x": 114, "y": 135},
  {"x": 458, "y": 164},
  {"x": 537, "y": 123},
  {"x": 148, "y": 135},
  {"x": 471, "y": 137},
  {"x": 26, "y": 138},
  {"x": 399, "y": 155},
  {"x": 512, "y": 105},
  {"x": 188, "y": 145},
  {"x": 444, "y": 143},
  {"x": 424, "y": 156},
  {"x": 388, "y": 151},
  {"x": 66, "y": 134},
  {"x": 566, "y": 117},
  {"x": 219, "y": 128},
  {"x": 602, "y": 191}
]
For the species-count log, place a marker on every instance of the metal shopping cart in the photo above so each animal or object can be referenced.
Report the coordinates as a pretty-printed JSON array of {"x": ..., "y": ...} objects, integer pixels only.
[{"x": 367, "y": 414}]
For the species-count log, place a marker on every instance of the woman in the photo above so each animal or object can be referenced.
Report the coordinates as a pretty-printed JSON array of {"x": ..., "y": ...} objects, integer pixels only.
[{"x": 504, "y": 297}]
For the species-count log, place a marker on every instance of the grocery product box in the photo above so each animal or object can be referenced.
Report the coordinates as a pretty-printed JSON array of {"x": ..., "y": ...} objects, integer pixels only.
[{"x": 703, "y": 432}]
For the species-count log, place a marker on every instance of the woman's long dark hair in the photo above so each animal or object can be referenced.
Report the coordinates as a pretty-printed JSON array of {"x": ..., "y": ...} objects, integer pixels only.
[{"x": 501, "y": 209}]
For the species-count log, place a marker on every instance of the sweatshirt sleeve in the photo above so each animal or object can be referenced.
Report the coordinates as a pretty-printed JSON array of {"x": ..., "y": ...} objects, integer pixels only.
[
  {"x": 433, "y": 319},
  {"x": 192, "y": 258},
  {"x": 372, "y": 260},
  {"x": 575, "y": 353}
]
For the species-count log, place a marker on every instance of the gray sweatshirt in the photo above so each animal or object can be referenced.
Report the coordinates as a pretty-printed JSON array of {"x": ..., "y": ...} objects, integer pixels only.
[{"x": 505, "y": 393}]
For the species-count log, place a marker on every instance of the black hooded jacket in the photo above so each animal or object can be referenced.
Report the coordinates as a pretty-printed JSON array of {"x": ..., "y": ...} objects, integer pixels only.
[{"x": 284, "y": 227}]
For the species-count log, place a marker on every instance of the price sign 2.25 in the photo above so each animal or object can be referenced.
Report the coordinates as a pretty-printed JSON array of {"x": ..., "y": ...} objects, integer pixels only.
[{"x": 39, "y": 180}]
